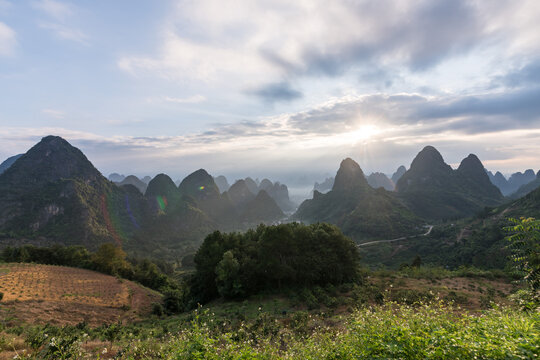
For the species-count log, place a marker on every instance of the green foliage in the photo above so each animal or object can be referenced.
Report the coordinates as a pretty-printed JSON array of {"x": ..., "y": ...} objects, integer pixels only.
[
  {"x": 272, "y": 257},
  {"x": 227, "y": 276},
  {"x": 525, "y": 248},
  {"x": 382, "y": 332},
  {"x": 111, "y": 259}
]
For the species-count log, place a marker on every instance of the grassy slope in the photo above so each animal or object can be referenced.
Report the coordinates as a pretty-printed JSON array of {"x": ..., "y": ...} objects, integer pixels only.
[{"x": 351, "y": 325}]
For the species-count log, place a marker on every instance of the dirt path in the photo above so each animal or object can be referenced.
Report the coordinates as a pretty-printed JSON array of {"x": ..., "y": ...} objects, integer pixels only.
[{"x": 430, "y": 227}]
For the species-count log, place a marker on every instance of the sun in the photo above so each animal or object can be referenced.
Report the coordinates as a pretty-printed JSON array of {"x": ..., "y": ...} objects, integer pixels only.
[{"x": 363, "y": 133}]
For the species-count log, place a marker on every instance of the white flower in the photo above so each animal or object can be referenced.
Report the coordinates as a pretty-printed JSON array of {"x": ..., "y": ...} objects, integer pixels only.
[{"x": 104, "y": 351}]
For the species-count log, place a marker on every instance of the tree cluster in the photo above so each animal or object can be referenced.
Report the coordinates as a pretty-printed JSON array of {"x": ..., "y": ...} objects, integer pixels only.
[{"x": 270, "y": 258}]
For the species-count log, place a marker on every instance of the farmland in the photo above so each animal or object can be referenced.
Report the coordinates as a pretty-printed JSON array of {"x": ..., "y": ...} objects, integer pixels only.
[{"x": 62, "y": 295}]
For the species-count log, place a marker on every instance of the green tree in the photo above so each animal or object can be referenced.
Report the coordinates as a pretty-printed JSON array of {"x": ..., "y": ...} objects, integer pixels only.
[
  {"x": 525, "y": 248},
  {"x": 111, "y": 259},
  {"x": 227, "y": 279}
]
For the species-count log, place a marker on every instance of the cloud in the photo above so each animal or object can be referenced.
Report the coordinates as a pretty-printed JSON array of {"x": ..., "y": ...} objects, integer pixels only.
[
  {"x": 66, "y": 32},
  {"x": 7, "y": 40},
  {"x": 55, "y": 9},
  {"x": 528, "y": 74},
  {"x": 249, "y": 44},
  {"x": 53, "y": 113},
  {"x": 275, "y": 92},
  {"x": 61, "y": 15}
]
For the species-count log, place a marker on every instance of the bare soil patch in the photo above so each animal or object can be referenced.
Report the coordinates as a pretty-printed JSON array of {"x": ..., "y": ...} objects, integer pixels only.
[{"x": 62, "y": 295}]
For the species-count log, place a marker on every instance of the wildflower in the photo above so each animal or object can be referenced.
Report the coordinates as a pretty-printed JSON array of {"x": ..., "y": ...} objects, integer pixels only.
[{"x": 104, "y": 351}]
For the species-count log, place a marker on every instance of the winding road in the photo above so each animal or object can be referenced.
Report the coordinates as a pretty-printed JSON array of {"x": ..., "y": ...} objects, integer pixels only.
[{"x": 430, "y": 227}]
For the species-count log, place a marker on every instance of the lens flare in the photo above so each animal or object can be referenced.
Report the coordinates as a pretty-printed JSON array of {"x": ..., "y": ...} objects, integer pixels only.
[
  {"x": 201, "y": 187},
  {"x": 162, "y": 202},
  {"x": 105, "y": 204},
  {"x": 131, "y": 216}
]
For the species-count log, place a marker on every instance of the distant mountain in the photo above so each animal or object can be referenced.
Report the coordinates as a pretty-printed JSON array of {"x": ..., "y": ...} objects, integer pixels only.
[
  {"x": 377, "y": 180},
  {"x": 200, "y": 187},
  {"x": 135, "y": 181},
  {"x": 500, "y": 181},
  {"x": 252, "y": 185},
  {"x": 8, "y": 162},
  {"x": 398, "y": 174},
  {"x": 359, "y": 210},
  {"x": 262, "y": 209},
  {"x": 240, "y": 195},
  {"x": 527, "y": 188},
  {"x": 325, "y": 186},
  {"x": 475, "y": 180},
  {"x": 115, "y": 177},
  {"x": 146, "y": 179},
  {"x": 53, "y": 192},
  {"x": 162, "y": 193},
  {"x": 222, "y": 183},
  {"x": 278, "y": 192},
  {"x": 433, "y": 190},
  {"x": 519, "y": 179}
]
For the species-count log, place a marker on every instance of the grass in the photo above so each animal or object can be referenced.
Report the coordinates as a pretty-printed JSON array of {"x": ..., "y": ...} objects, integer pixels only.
[{"x": 427, "y": 331}]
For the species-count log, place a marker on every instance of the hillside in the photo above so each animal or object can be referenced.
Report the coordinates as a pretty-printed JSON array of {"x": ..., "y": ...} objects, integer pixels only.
[
  {"x": 434, "y": 191},
  {"x": 478, "y": 241},
  {"x": 59, "y": 295},
  {"x": 360, "y": 211},
  {"x": 527, "y": 188},
  {"x": 54, "y": 192}
]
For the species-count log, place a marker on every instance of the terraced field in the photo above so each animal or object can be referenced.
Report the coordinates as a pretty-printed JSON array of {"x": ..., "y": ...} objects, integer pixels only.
[{"x": 63, "y": 295}]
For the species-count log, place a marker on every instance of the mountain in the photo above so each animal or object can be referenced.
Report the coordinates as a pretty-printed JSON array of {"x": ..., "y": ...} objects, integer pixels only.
[
  {"x": 222, "y": 183},
  {"x": 115, "y": 177},
  {"x": 398, "y": 174},
  {"x": 475, "y": 179},
  {"x": 162, "y": 193},
  {"x": 54, "y": 193},
  {"x": 8, "y": 162},
  {"x": 434, "y": 191},
  {"x": 377, "y": 180},
  {"x": 240, "y": 195},
  {"x": 500, "y": 181},
  {"x": 146, "y": 179},
  {"x": 200, "y": 187},
  {"x": 252, "y": 185},
  {"x": 278, "y": 192},
  {"x": 519, "y": 179},
  {"x": 350, "y": 177},
  {"x": 359, "y": 210},
  {"x": 261, "y": 209},
  {"x": 325, "y": 186},
  {"x": 135, "y": 181},
  {"x": 527, "y": 188}
]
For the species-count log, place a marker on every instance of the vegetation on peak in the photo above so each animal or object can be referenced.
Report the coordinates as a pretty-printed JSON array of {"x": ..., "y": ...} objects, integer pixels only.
[{"x": 350, "y": 177}]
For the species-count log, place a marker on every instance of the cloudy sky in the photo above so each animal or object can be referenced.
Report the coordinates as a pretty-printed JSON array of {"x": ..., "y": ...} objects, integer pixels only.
[{"x": 284, "y": 89}]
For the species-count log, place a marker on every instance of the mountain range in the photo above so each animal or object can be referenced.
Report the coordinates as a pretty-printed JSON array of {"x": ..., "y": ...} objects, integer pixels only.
[
  {"x": 434, "y": 191},
  {"x": 359, "y": 210},
  {"x": 53, "y": 193}
]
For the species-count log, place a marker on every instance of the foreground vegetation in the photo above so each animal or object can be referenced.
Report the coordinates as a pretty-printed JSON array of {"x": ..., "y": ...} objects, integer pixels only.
[
  {"x": 434, "y": 331},
  {"x": 282, "y": 310}
]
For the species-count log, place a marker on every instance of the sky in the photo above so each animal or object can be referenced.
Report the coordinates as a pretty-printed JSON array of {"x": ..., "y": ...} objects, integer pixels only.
[{"x": 272, "y": 88}]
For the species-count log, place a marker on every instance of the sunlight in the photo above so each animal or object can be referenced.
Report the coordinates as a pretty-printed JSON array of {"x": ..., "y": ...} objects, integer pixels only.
[{"x": 363, "y": 133}]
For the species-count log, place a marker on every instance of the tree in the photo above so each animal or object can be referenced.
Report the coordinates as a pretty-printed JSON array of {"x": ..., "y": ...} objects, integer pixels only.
[
  {"x": 111, "y": 259},
  {"x": 227, "y": 279},
  {"x": 525, "y": 248}
]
